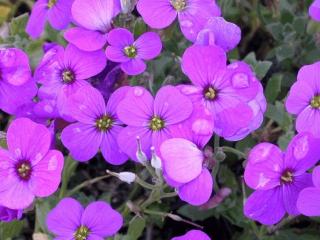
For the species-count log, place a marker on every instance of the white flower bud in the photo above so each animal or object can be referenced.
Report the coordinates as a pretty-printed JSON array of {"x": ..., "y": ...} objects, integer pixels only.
[
  {"x": 127, "y": 177},
  {"x": 155, "y": 160},
  {"x": 141, "y": 156}
]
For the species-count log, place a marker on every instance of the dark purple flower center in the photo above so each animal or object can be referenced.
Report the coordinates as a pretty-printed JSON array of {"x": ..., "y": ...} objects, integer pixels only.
[
  {"x": 287, "y": 177},
  {"x": 51, "y": 3},
  {"x": 67, "y": 76},
  {"x": 210, "y": 93},
  {"x": 178, "y": 5},
  {"x": 130, "y": 51},
  {"x": 104, "y": 123},
  {"x": 156, "y": 123},
  {"x": 82, "y": 233},
  {"x": 24, "y": 170},
  {"x": 315, "y": 102}
]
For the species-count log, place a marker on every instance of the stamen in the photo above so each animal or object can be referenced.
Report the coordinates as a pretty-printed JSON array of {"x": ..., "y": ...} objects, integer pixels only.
[
  {"x": 315, "y": 102},
  {"x": 210, "y": 93},
  {"x": 24, "y": 170},
  {"x": 104, "y": 123},
  {"x": 130, "y": 51},
  {"x": 156, "y": 123},
  {"x": 287, "y": 177},
  {"x": 178, "y": 5},
  {"x": 68, "y": 76},
  {"x": 51, "y": 3},
  {"x": 82, "y": 233}
]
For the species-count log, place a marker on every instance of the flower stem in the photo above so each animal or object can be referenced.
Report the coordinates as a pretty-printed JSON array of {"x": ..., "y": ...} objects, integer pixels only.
[{"x": 234, "y": 151}]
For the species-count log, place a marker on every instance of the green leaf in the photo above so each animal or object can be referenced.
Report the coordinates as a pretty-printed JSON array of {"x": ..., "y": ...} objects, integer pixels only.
[
  {"x": 278, "y": 114},
  {"x": 43, "y": 206},
  {"x": 18, "y": 25},
  {"x": 273, "y": 88},
  {"x": 260, "y": 67},
  {"x": 69, "y": 169},
  {"x": 195, "y": 213},
  {"x": 11, "y": 229},
  {"x": 136, "y": 227}
]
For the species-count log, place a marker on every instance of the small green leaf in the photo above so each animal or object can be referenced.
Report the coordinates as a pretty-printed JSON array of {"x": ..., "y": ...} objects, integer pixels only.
[
  {"x": 260, "y": 67},
  {"x": 273, "y": 88},
  {"x": 18, "y": 25},
  {"x": 136, "y": 227},
  {"x": 11, "y": 229}
]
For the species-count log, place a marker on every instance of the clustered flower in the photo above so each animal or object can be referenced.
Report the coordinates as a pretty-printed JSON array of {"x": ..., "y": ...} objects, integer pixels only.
[{"x": 175, "y": 124}]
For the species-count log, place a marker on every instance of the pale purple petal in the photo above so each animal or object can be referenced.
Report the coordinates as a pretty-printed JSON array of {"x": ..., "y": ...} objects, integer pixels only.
[
  {"x": 82, "y": 140},
  {"x": 116, "y": 54},
  {"x": 80, "y": 37},
  {"x": 193, "y": 235},
  {"x": 308, "y": 120},
  {"x": 199, "y": 190},
  {"x": 115, "y": 98},
  {"x": 157, "y": 14},
  {"x": 101, "y": 219},
  {"x": 182, "y": 159},
  {"x": 309, "y": 202},
  {"x": 264, "y": 167},
  {"x": 148, "y": 45},
  {"x": 38, "y": 18},
  {"x": 316, "y": 176},
  {"x": 136, "y": 109},
  {"x": 171, "y": 105},
  {"x": 46, "y": 174},
  {"x": 59, "y": 16},
  {"x": 120, "y": 37},
  {"x": 158, "y": 137},
  {"x": 266, "y": 206},
  {"x": 134, "y": 66},
  {"x": 65, "y": 218},
  {"x": 310, "y": 75},
  {"x": 314, "y": 10}
]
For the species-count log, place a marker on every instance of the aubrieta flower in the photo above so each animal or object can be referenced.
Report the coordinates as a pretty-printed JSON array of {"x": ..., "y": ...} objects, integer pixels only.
[
  {"x": 69, "y": 220},
  {"x": 150, "y": 119},
  {"x": 193, "y": 235},
  {"x": 97, "y": 126},
  {"x": 28, "y": 169},
  {"x": 93, "y": 19},
  {"x": 309, "y": 198},
  {"x": 219, "y": 32},
  {"x": 192, "y": 14},
  {"x": 57, "y": 12},
  {"x": 63, "y": 71},
  {"x": 279, "y": 177},
  {"x": 228, "y": 92},
  {"x": 130, "y": 53},
  {"x": 8, "y": 215},
  {"x": 314, "y": 10},
  {"x": 184, "y": 168},
  {"x": 16, "y": 84},
  {"x": 304, "y": 99}
]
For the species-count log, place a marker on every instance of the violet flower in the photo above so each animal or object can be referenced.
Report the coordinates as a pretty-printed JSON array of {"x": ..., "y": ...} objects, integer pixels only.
[
  {"x": 63, "y": 71},
  {"x": 8, "y": 215},
  {"x": 69, "y": 220},
  {"x": 278, "y": 177},
  {"x": 226, "y": 91},
  {"x": 97, "y": 126},
  {"x": 16, "y": 84},
  {"x": 93, "y": 19},
  {"x": 28, "y": 169},
  {"x": 193, "y": 235},
  {"x": 130, "y": 53},
  {"x": 192, "y": 14},
  {"x": 150, "y": 119},
  {"x": 184, "y": 168},
  {"x": 309, "y": 198},
  {"x": 57, "y": 12},
  {"x": 304, "y": 99},
  {"x": 314, "y": 10}
]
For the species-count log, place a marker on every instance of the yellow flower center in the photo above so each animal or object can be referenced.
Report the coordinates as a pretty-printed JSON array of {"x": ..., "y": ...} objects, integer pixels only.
[
  {"x": 51, "y": 3},
  {"x": 68, "y": 76},
  {"x": 178, "y": 5},
  {"x": 287, "y": 177},
  {"x": 156, "y": 123},
  {"x": 315, "y": 102},
  {"x": 82, "y": 233},
  {"x": 210, "y": 93},
  {"x": 104, "y": 123},
  {"x": 24, "y": 170},
  {"x": 130, "y": 51}
]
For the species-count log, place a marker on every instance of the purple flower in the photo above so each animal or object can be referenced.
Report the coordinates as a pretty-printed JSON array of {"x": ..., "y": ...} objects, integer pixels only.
[
  {"x": 219, "y": 32},
  {"x": 193, "y": 235},
  {"x": 309, "y": 198},
  {"x": 314, "y": 10},
  {"x": 304, "y": 100},
  {"x": 93, "y": 19},
  {"x": 63, "y": 71},
  {"x": 97, "y": 126},
  {"x": 184, "y": 168},
  {"x": 150, "y": 119},
  {"x": 130, "y": 53},
  {"x": 192, "y": 14},
  {"x": 8, "y": 215},
  {"x": 278, "y": 177},
  {"x": 28, "y": 169},
  {"x": 16, "y": 84},
  {"x": 228, "y": 92},
  {"x": 69, "y": 220},
  {"x": 57, "y": 12}
]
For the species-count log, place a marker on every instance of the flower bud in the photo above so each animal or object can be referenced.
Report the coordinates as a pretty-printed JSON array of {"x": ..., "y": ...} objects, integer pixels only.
[
  {"x": 155, "y": 160},
  {"x": 127, "y": 6},
  {"x": 141, "y": 156},
  {"x": 127, "y": 177}
]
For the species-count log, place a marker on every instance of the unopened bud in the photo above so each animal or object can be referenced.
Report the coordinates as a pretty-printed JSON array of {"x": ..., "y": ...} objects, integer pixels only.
[
  {"x": 220, "y": 155},
  {"x": 155, "y": 160},
  {"x": 127, "y": 6},
  {"x": 141, "y": 156},
  {"x": 127, "y": 177}
]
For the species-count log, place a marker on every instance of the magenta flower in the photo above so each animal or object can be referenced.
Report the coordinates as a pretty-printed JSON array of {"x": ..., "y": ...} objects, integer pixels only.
[
  {"x": 97, "y": 126},
  {"x": 16, "y": 84},
  {"x": 150, "y": 119},
  {"x": 193, "y": 235},
  {"x": 314, "y": 10},
  {"x": 28, "y": 169},
  {"x": 304, "y": 100},
  {"x": 63, "y": 71},
  {"x": 309, "y": 198},
  {"x": 219, "y": 32},
  {"x": 184, "y": 168},
  {"x": 226, "y": 91},
  {"x": 93, "y": 19},
  {"x": 8, "y": 215},
  {"x": 69, "y": 220},
  {"x": 192, "y": 14},
  {"x": 278, "y": 177},
  {"x": 130, "y": 53},
  {"x": 57, "y": 12}
]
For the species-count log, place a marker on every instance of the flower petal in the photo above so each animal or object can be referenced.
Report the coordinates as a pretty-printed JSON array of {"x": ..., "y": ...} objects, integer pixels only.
[
  {"x": 134, "y": 66},
  {"x": 309, "y": 202},
  {"x": 314, "y": 10},
  {"x": 38, "y": 18},
  {"x": 316, "y": 176},
  {"x": 59, "y": 15},
  {"x": 192, "y": 235},
  {"x": 307, "y": 121},
  {"x": 120, "y": 38},
  {"x": 148, "y": 45}
]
